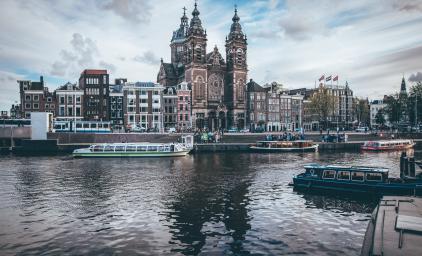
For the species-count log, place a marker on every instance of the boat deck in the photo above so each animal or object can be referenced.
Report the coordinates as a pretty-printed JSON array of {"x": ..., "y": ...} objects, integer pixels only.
[{"x": 395, "y": 227}]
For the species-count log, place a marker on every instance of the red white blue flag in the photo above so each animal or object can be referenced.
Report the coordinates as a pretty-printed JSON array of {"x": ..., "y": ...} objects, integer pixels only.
[
  {"x": 335, "y": 78},
  {"x": 321, "y": 78}
]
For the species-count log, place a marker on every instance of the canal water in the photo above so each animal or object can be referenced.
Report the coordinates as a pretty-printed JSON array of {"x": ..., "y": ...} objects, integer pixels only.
[{"x": 219, "y": 204}]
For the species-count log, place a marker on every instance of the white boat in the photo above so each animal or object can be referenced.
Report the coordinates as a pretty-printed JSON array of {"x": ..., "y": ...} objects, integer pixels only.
[
  {"x": 285, "y": 146},
  {"x": 141, "y": 149},
  {"x": 382, "y": 145}
]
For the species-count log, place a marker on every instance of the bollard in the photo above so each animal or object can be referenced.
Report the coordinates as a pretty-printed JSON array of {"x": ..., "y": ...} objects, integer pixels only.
[
  {"x": 403, "y": 155},
  {"x": 406, "y": 166},
  {"x": 412, "y": 170}
]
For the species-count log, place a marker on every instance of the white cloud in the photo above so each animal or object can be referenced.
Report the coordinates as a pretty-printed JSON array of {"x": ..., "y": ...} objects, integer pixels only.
[{"x": 294, "y": 42}]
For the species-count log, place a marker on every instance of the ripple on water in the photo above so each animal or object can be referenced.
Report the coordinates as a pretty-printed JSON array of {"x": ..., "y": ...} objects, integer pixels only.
[{"x": 229, "y": 203}]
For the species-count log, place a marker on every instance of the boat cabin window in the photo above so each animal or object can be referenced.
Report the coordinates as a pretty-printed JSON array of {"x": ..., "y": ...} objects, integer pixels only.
[
  {"x": 142, "y": 148},
  {"x": 78, "y": 125},
  {"x": 86, "y": 125},
  {"x": 329, "y": 174},
  {"x": 131, "y": 148},
  {"x": 343, "y": 175},
  {"x": 120, "y": 148},
  {"x": 97, "y": 148},
  {"x": 152, "y": 148},
  {"x": 357, "y": 176},
  {"x": 160, "y": 148},
  {"x": 105, "y": 125},
  {"x": 109, "y": 148},
  {"x": 93, "y": 126},
  {"x": 373, "y": 176}
]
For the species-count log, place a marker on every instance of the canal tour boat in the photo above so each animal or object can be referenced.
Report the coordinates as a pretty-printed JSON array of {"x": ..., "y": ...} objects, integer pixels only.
[
  {"x": 141, "y": 149},
  {"x": 285, "y": 146},
  {"x": 355, "y": 180},
  {"x": 382, "y": 145}
]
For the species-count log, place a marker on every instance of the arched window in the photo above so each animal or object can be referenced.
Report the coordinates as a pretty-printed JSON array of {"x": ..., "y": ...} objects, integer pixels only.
[
  {"x": 239, "y": 57},
  {"x": 240, "y": 90},
  {"x": 199, "y": 88},
  {"x": 198, "y": 52}
]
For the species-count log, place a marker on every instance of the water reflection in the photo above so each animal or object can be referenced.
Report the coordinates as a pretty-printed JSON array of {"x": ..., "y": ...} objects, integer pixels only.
[{"x": 212, "y": 206}]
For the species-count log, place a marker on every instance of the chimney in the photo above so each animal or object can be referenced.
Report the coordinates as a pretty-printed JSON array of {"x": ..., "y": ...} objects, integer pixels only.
[{"x": 42, "y": 79}]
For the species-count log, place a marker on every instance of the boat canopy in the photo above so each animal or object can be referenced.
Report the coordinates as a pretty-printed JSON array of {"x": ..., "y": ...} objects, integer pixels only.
[{"x": 347, "y": 168}]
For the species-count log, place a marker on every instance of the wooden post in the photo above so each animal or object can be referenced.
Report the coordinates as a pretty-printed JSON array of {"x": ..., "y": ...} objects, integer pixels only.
[
  {"x": 406, "y": 166},
  {"x": 402, "y": 157},
  {"x": 412, "y": 170}
]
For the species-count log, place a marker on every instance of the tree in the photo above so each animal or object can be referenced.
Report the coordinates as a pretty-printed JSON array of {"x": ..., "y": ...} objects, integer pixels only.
[
  {"x": 414, "y": 103},
  {"x": 361, "y": 109},
  {"x": 379, "y": 118},
  {"x": 322, "y": 104},
  {"x": 393, "y": 108}
]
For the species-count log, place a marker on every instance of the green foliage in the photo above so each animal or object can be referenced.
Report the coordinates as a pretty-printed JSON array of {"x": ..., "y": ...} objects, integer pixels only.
[
  {"x": 379, "y": 118},
  {"x": 322, "y": 104},
  {"x": 361, "y": 109},
  {"x": 393, "y": 108}
]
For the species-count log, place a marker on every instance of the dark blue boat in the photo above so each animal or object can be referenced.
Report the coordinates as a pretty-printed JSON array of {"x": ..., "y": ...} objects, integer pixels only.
[{"x": 355, "y": 180}]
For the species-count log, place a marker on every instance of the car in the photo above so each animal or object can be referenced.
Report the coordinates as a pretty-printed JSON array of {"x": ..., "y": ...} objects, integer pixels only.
[
  {"x": 362, "y": 129},
  {"x": 259, "y": 129},
  {"x": 244, "y": 130},
  {"x": 172, "y": 130},
  {"x": 233, "y": 129},
  {"x": 137, "y": 129}
]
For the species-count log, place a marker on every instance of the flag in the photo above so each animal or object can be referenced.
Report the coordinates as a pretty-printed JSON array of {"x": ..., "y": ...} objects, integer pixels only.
[
  {"x": 328, "y": 78},
  {"x": 321, "y": 78},
  {"x": 335, "y": 78}
]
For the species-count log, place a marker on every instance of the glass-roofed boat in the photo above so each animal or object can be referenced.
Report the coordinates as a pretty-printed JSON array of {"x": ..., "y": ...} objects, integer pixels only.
[{"x": 141, "y": 149}]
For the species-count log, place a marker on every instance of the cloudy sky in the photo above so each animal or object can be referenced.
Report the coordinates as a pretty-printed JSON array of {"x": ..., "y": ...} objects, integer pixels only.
[{"x": 371, "y": 44}]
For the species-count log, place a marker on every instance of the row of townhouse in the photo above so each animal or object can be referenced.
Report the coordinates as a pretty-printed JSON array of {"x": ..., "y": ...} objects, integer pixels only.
[
  {"x": 270, "y": 110},
  {"x": 129, "y": 105},
  {"x": 152, "y": 106}
]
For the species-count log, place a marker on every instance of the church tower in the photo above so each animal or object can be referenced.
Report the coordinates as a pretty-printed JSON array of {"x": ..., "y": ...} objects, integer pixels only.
[
  {"x": 196, "y": 68},
  {"x": 237, "y": 72},
  {"x": 178, "y": 41}
]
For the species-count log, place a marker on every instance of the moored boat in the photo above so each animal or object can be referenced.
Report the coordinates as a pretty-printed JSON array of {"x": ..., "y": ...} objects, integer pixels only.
[
  {"x": 285, "y": 146},
  {"x": 395, "y": 227},
  {"x": 382, "y": 145},
  {"x": 141, "y": 149},
  {"x": 355, "y": 180}
]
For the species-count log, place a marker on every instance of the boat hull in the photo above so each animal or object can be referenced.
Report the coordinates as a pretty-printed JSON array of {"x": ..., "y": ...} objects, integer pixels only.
[
  {"x": 360, "y": 188},
  {"x": 369, "y": 148},
  {"x": 266, "y": 149},
  {"x": 129, "y": 154}
]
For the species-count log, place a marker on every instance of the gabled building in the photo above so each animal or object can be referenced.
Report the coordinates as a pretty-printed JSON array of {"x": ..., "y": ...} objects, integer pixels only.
[
  {"x": 116, "y": 106},
  {"x": 95, "y": 85},
  {"x": 184, "y": 118},
  {"x": 256, "y": 99},
  {"x": 170, "y": 107},
  {"x": 69, "y": 102},
  {"x": 142, "y": 106},
  {"x": 34, "y": 97}
]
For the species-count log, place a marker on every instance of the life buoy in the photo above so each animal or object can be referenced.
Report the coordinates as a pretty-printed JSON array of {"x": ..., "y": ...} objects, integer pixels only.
[{"x": 312, "y": 172}]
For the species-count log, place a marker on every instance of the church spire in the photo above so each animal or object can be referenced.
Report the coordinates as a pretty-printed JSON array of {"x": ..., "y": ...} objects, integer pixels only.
[
  {"x": 236, "y": 29},
  {"x": 235, "y": 17},
  {"x": 195, "y": 27},
  {"x": 184, "y": 19},
  {"x": 403, "y": 86}
]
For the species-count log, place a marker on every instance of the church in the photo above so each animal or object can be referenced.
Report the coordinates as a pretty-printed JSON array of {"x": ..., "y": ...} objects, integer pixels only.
[{"x": 217, "y": 84}]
